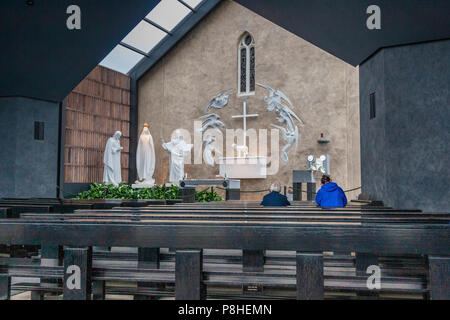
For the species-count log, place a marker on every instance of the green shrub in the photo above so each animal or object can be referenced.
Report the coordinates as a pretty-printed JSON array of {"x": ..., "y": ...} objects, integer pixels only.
[
  {"x": 205, "y": 196},
  {"x": 124, "y": 191}
]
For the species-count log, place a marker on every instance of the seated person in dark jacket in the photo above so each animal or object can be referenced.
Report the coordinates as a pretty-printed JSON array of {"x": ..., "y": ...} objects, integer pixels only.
[
  {"x": 274, "y": 198},
  {"x": 330, "y": 195}
]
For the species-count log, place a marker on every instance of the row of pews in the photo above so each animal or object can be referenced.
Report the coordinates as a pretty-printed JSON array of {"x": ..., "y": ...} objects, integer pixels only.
[
  {"x": 14, "y": 207},
  {"x": 233, "y": 249}
]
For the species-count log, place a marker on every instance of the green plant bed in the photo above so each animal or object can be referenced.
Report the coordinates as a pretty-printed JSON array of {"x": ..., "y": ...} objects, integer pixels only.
[{"x": 124, "y": 191}]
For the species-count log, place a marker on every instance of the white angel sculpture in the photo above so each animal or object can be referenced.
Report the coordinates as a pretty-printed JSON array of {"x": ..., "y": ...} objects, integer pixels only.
[
  {"x": 219, "y": 101},
  {"x": 112, "y": 173},
  {"x": 145, "y": 158},
  {"x": 211, "y": 121},
  {"x": 274, "y": 102},
  {"x": 208, "y": 141},
  {"x": 290, "y": 137},
  {"x": 285, "y": 115}
]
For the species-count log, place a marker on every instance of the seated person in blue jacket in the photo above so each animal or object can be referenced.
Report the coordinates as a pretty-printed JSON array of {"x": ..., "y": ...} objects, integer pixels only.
[
  {"x": 274, "y": 198},
  {"x": 330, "y": 195}
]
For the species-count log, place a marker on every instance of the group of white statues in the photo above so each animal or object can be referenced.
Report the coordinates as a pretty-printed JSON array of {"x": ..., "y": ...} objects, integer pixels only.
[
  {"x": 178, "y": 149},
  {"x": 145, "y": 159}
]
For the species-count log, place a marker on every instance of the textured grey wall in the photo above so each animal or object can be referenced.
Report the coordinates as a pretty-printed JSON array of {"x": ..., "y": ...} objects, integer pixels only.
[
  {"x": 28, "y": 167},
  {"x": 323, "y": 89},
  {"x": 405, "y": 149}
]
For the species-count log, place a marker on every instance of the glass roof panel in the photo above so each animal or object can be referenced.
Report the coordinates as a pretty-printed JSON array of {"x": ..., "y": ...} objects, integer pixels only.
[
  {"x": 193, "y": 3},
  {"x": 168, "y": 13},
  {"x": 144, "y": 36},
  {"x": 121, "y": 59}
]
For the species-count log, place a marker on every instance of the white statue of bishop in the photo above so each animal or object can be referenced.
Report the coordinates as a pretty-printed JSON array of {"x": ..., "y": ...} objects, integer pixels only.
[
  {"x": 177, "y": 149},
  {"x": 145, "y": 159},
  {"x": 112, "y": 173}
]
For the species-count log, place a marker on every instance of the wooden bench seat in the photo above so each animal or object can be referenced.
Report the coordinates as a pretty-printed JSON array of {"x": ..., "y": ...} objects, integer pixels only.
[
  {"x": 410, "y": 247},
  {"x": 220, "y": 276}
]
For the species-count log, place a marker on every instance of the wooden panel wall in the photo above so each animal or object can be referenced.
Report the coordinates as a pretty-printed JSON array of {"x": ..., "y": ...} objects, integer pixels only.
[{"x": 95, "y": 109}]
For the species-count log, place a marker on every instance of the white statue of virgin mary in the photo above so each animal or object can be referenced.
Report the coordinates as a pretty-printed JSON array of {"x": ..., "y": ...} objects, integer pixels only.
[
  {"x": 112, "y": 173},
  {"x": 145, "y": 158}
]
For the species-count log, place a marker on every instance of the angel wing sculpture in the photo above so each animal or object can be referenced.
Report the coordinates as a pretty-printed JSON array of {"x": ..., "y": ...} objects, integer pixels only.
[
  {"x": 211, "y": 121},
  {"x": 285, "y": 115},
  {"x": 219, "y": 101},
  {"x": 274, "y": 102},
  {"x": 289, "y": 137}
]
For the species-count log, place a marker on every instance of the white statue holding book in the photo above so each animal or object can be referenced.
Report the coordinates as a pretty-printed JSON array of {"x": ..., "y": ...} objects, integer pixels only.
[
  {"x": 145, "y": 159},
  {"x": 112, "y": 173},
  {"x": 177, "y": 149}
]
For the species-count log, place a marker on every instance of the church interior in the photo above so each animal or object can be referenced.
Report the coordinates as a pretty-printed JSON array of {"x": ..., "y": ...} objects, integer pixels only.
[{"x": 142, "y": 138}]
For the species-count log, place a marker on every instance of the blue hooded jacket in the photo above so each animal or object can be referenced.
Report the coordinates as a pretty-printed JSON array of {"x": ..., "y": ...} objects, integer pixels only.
[{"x": 331, "y": 195}]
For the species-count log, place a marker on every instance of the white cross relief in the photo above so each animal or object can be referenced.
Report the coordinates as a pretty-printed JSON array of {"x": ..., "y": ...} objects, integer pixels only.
[{"x": 244, "y": 116}]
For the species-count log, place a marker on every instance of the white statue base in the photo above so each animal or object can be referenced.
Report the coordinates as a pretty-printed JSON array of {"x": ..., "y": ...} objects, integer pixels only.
[
  {"x": 143, "y": 185},
  {"x": 243, "y": 167},
  {"x": 169, "y": 184}
]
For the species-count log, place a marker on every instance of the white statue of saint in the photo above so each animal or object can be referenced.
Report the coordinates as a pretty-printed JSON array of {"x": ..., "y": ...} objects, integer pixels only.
[
  {"x": 145, "y": 158},
  {"x": 112, "y": 174},
  {"x": 177, "y": 149}
]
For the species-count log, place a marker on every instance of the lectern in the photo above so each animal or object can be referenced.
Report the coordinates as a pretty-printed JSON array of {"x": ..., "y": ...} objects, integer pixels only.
[{"x": 304, "y": 176}]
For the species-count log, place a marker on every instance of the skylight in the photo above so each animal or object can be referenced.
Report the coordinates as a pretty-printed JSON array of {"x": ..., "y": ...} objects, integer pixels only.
[
  {"x": 121, "y": 59},
  {"x": 144, "y": 36},
  {"x": 168, "y": 13},
  {"x": 153, "y": 29}
]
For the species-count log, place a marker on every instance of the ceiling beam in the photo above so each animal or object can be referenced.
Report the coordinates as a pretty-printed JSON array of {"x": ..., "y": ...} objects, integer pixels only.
[
  {"x": 126, "y": 45},
  {"x": 157, "y": 26},
  {"x": 186, "y": 5}
]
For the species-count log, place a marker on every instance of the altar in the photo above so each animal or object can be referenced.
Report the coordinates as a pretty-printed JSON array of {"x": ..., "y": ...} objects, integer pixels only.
[{"x": 243, "y": 168}]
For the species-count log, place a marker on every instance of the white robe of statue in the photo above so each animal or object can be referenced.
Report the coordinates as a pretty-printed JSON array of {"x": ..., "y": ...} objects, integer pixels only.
[
  {"x": 145, "y": 158},
  {"x": 177, "y": 149},
  {"x": 112, "y": 174}
]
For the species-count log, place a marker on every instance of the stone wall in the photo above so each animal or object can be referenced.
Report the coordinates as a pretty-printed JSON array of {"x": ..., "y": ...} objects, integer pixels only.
[
  {"x": 405, "y": 148},
  {"x": 323, "y": 89},
  {"x": 28, "y": 167}
]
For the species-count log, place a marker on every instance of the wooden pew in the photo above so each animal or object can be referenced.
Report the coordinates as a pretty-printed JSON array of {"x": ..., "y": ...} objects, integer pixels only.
[
  {"x": 337, "y": 283},
  {"x": 253, "y": 259},
  {"x": 236, "y": 223}
]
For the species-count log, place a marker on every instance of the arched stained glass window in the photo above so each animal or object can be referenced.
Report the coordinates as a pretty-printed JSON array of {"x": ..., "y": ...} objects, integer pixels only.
[{"x": 246, "y": 53}]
